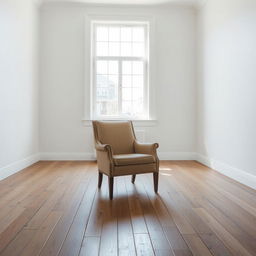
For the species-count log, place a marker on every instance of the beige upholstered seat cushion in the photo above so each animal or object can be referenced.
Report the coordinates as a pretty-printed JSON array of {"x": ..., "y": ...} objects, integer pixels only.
[
  {"x": 130, "y": 159},
  {"x": 120, "y": 170}
]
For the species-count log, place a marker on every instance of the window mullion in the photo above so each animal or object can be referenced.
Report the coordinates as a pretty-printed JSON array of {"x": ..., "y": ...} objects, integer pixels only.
[
  {"x": 94, "y": 80},
  {"x": 145, "y": 87},
  {"x": 120, "y": 98},
  {"x": 93, "y": 72}
]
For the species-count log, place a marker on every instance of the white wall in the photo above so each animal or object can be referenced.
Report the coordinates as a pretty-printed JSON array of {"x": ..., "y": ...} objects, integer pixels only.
[
  {"x": 18, "y": 85},
  {"x": 62, "y": 88},
  {"x": 227, "y": 87}
]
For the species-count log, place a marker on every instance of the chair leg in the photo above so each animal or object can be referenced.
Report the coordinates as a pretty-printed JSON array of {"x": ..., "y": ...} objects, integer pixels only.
[
  {"x": 110, "y": 185},
  {"x": 155, "y": 176},
  {"x": 100, "y": 179},
  {"x": 133, "y": 178}
]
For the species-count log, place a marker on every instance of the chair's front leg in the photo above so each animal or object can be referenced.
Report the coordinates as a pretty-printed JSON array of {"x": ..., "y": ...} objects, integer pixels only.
[
  {"x": 133, "y": 178},
  {"x": 100, "y": 179},
  {"x": 111, "y": 185},
  {"x": 155, "y": 177}
]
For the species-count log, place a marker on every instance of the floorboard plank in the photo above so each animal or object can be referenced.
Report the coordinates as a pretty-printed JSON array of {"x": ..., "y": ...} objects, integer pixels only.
[
  {"x": 159, "y": 241},
  {"x": 40, "y": 237},
  {"x": 109, "y": 234},
  {"x": 126, "y": 244},
  {"x": 90, "y": 246},
  {"x": 171, "y": 231},
  {"x": 234, "y": 245},
  {"x": 143, "y": 245},
  {"x": 74, "y": 238}
]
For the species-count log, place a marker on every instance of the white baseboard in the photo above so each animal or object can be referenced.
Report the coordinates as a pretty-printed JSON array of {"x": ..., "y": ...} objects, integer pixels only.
[
  {"x": 232, "y": 172},
  {"x": 67, "y": 156},
  {"x": 18, "y": 166},
  {"x": 176, "y": 155}
]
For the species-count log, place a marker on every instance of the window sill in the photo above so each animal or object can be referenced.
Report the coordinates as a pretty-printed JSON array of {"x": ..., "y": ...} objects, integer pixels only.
[{"x": 136, "y": 123}]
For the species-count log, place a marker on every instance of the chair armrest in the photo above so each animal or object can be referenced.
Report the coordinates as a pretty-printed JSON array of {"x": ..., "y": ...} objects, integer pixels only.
[
  {"x": 104, "y": 157},
  {"x": 146, "y": 148},
  {"x": 102, "y": 147}
]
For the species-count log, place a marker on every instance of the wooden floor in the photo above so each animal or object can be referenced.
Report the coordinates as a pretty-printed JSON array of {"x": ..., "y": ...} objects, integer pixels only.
[{"x": 55, "y": 208}]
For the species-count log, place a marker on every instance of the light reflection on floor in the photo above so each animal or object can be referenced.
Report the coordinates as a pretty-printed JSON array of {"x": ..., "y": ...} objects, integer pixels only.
[{"x": 164, "y": 171}]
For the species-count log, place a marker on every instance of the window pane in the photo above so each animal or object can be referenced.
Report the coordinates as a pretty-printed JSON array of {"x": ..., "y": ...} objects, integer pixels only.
[
  {"x": 113, "y": 67},
  {"x": 102, "y": 93},
  {"x": 102, "y": 81},
  {"x": 127, "y": 94},
  {"x": 137, "y": 94},
  {"x": 126, "y": 34},
  {"x": 127, "y": 107},
  {"x": 137, "y": 67},
  {"x": 114, "y": 49},
  {"x": 102, "y": 34},
  {"x": 102, "y": 49},
  {"x": 114, "y": 34},
  {"x": 127, "y": 67},
  {"x": 113, "y": 81},
  {"x": 126, "y": 81},
  {"x": 137, "y": 108},
  {"x": 138, "y": 49},
  {"x": 107, "y": 108},
  {"x": 137, "y": 81},
  {"x": 102, "y": 67},
  {"x": 110, "y": 81},
  {"x": 138, "y": 34},
  {"x": 106, "y": 94},
  {"x": 126, "y": 49}
]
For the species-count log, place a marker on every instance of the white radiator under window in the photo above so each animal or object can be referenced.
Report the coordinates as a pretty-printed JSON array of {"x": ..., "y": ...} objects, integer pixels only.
[{"x": 140, "y": 135}]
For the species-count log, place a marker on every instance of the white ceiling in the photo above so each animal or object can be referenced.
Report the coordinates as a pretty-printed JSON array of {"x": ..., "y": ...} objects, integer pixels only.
[{"x": 133, "y": 2}]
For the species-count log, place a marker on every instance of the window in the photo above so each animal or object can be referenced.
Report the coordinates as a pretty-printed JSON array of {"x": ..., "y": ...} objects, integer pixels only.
[{"x": 120, "y": 70}]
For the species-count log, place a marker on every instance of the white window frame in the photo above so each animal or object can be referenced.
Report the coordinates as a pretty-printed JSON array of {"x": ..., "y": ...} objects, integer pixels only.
[
  {"x": 152, "y": 67},
  {"x": 120, "y": 59}
]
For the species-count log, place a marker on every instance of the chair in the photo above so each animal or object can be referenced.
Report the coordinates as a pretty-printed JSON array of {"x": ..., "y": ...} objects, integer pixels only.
[{"x": 119, "y": 153}]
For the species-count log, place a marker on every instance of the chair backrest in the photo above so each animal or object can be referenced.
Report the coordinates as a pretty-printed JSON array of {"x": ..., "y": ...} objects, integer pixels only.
[{"x": 118, "y": 134}]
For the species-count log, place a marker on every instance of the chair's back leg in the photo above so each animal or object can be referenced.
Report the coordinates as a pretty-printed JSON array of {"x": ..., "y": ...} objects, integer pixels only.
[
  {"x": 110, "y": 185},
  {"x": 155, "y": 177},
  {"x": 100, "y": 179}
]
